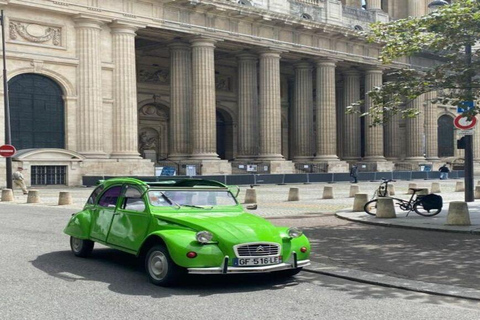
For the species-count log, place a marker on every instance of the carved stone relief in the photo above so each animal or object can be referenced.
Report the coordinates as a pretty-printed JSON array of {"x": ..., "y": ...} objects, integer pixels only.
[
  {"x": 147, "y": 74},
  {"x": 151, "y": 111},
  {"x": 223, "y": 83},
  {"x": 36, "y": 33}
]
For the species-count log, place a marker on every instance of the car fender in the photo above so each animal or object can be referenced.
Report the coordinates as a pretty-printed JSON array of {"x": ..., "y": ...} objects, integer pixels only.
[
  {"x": 79, "y": 225},
  {"x": 180, "y": 242},
  {"x": 290, "y": 245}
]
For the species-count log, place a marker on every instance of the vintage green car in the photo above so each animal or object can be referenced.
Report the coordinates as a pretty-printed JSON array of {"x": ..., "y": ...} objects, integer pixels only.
[{"x": 190, "y": 225}]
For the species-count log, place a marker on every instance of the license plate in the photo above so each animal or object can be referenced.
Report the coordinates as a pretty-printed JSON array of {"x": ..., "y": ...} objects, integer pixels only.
[{"x": 244, "y": 262}]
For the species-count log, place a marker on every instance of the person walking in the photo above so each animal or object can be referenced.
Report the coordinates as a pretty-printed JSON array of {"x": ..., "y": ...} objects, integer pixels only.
[
  {"x": 19, "y": 180},
  {"x": 444, "y": 172},
  {"x": 353, "y": 173}
]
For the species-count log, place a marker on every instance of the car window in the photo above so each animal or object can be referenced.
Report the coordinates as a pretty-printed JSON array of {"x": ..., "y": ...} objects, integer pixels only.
[
  {"x": 133, "y": 199},
  {"x": 109, "y": 198},
  {"x": 93, "y": 197},
  {"x": 191, "y": 197}
]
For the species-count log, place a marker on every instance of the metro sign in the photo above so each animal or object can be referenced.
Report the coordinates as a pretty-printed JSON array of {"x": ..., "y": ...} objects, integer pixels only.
[{"x": 7, "y": 150}]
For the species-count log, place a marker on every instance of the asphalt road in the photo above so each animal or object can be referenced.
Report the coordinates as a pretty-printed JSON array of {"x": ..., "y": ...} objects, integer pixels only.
[{"x": 41, "y": 279}]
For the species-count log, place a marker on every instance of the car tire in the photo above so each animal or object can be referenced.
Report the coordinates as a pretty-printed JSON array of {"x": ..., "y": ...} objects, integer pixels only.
[
  {"x": 81, "y": 247},
  {"x": 161, "y": 269},
  {"x": 290, "y": 272}
]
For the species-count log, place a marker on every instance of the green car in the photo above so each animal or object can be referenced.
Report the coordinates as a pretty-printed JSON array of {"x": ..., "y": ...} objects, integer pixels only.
[{"x": 190, "y": 225}]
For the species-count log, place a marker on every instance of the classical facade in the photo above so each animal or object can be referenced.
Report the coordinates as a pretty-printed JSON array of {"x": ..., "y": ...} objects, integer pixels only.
[{"x": 117, "y": 87}]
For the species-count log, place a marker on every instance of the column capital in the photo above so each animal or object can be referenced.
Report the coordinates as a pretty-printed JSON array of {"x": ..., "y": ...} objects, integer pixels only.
[
  {"x": 351, "y": 73},
  {"x": 203, "y": 42},
  {"x": 374, "y": 70},
  {"x": 326, "y": 62},
  {"x": 270, "y": 53},
  {"x": 179, "y": 45},
  {"x": 119, "y": 26},
  {"x": 246, "y": 55},
  {"x": 303, "y": 65},
  {"x": 86, "y": 21}
]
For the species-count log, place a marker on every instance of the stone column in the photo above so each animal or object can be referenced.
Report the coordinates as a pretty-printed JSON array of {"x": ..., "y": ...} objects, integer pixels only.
[
  {"x": 431, "y": 127},
  {"x": 391, "y": 139},
  {"x": 340, "y": 114},
  {"x": 373, "y": 134},
  {"x": 270, "y": 107},
  {"x": 303, "y": 112},
  {"x": 89, "y": 79},
  {"x": 125, "y": 123},
  {"x": 181, "y": 99},
  {"x": 203, "y": 116},
  {"x": 325, "y": 111},
  {"x": 414, "y": 128},
  {"x": 247, "y": 106},
  {"x": 351, "y": 94},
  {"x": 374, "y": 4},
  {"x": 416, "y": 8}
]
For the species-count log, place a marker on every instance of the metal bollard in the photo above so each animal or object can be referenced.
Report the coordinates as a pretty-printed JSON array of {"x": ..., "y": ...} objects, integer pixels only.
[
  {"x": 7, "y": 195},
  {"x": 64, "y": 198}
]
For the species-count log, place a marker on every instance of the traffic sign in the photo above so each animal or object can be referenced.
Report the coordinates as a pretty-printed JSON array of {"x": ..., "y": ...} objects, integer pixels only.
[
  {"x": 465, "y": 106},
  {"x": 7, "y": 150},
  {"x": 462, "y": 122}
]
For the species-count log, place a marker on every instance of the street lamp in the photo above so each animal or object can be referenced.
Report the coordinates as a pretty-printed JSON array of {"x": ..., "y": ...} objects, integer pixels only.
[{"x": 468, "y": 167}]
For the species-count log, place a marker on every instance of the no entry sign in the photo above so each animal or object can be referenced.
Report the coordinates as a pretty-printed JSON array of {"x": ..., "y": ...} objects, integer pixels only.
[
  {"x": 463, "y": 123},
  {"x": 7, "y": 150}
]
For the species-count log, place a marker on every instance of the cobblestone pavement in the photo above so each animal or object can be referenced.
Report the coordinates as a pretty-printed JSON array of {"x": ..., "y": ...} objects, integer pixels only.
[{"x": 272, "y": 199}]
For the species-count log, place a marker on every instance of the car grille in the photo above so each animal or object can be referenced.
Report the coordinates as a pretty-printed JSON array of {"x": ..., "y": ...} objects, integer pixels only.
[{"x": 257, "y": 250}]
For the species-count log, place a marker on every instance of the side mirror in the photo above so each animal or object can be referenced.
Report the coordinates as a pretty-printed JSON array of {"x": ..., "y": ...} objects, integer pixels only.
[{"x": 252, "y": 207}]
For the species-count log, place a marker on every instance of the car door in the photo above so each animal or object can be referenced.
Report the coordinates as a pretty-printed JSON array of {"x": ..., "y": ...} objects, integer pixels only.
[
  {"x": 103, "y": 213},
  {"x": 131, "y": 220}
]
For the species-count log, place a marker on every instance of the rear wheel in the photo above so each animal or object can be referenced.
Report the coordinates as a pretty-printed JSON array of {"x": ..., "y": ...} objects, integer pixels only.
[
  {"x": 418, "y": 207},
  {"x": 81, "y": 247},
  {"x": 371, "y": 207},
  {"x": 161, "y": 269}
]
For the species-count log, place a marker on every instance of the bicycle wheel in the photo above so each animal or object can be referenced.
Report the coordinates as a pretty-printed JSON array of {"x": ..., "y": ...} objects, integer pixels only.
[
  {"x": 371, "y": 207},
  {"x": 418, "y": 207}
]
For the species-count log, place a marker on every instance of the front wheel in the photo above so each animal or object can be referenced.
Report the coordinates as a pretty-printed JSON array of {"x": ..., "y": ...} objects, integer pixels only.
[
  {"x": 418, "y": 207},
  {"x": 161, "y": 269},
  {"x": 371, "y": 207},
  {"x": 80, "y": 247}
]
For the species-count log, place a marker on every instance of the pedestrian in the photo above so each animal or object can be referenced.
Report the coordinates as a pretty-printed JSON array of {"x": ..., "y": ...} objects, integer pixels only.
[
  {"x": 19, "y": 180},
  {"x": 353, "y": 173},
  {"x": 444, "y": 172}
]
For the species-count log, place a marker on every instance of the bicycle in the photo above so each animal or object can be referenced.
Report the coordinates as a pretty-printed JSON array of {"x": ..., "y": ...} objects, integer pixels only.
[
  {"x": 424, "y": 205},
  {"x": 382, "y": 190}
]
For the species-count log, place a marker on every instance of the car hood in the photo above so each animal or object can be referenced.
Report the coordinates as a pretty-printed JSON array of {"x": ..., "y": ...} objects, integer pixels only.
[{"x": 231, "y": 227}]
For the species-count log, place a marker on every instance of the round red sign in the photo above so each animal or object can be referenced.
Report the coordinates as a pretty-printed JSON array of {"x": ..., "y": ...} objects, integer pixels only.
[
  {"x": 463, "y": 123},
  {"x": 7, "y": 150}
]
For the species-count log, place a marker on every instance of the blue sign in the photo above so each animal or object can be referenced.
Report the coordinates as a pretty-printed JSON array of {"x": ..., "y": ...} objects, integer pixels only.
[
  {"x": 168, "y": 171},
  {"x": 465, "y": 106}
]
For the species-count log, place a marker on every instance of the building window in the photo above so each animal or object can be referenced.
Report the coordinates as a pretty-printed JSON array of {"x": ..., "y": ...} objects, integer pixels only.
[{"x": 306, "y": 16}]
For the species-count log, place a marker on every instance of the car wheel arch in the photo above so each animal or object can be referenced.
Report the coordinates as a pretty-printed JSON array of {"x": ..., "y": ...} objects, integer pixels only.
[{"x": 150, "y": 242}]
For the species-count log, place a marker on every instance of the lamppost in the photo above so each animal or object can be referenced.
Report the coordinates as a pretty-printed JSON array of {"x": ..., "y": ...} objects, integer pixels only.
[
  {"x": 468, "y": 167},
  {"x": 7, "y": 106}
]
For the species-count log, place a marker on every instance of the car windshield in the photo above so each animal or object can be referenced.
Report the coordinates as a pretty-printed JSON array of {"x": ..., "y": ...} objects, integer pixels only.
[{"x": 161, "y": 198}]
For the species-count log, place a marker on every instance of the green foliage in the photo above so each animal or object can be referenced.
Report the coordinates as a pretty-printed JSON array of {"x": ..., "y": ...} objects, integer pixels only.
[{"x": 442, "y": 35}]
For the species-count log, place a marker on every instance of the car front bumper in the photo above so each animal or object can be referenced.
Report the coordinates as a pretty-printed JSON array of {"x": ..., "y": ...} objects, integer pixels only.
[{"x": 226, "y": 269}]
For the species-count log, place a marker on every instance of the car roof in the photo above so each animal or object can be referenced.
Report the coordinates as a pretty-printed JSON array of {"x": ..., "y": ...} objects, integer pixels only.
[{"x": 175, "y": 183}]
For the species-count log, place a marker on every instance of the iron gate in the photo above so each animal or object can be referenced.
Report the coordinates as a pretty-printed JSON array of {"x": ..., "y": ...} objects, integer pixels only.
[{"x": 48, "y": 175}]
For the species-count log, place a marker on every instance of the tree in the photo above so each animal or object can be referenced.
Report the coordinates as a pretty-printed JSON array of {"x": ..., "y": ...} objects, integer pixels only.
[{"x": 441, "y": 35}]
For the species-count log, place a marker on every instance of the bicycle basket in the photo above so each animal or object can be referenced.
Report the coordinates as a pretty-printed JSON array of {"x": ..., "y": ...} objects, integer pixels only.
[{"x": 431, "y": 201}]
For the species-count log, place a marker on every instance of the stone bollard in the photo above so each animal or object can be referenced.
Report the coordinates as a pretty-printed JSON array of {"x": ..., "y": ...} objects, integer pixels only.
[
  {"x": 354, "y": 189},
  {"x": 385, "y": 208},
  {"x": 391, "y": 189},
  {"x": 64, "y": 198},
  {"x": 33, "y": 196},
  {"x": 7, "y": 195},
  {"x": 477, "y": 192},
  {"x": 422, "y": 192},
  {"x": 250, "y": 196},
  {"x": 459, "y": 186},
  {"x": 293, "y": 194},
  {"x": 411, "y": 185},
  {"x": 458, "y": 214},
  {"x": 359, "y": 202},
  {"x": 436, "y": 187},
  {"x": 327, "y": 192}
]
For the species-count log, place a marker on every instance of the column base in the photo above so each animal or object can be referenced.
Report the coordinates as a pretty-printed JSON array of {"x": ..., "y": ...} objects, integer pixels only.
[
  {"x": 376, "y": 166},
  {"x": 124, "y": 155},
  {"x": 93, "y": 155},
  {"x": 178, "y": 156},
  {"x": 412, "y": 165},
  {"x": 319, "y": 166},
  {"x": 270, "y": 157},
  {"x": 204, "y": 156}
]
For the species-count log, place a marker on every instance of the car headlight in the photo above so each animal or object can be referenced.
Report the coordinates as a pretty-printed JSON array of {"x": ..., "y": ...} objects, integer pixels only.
[
  {"x": 294, "y": 232},
  {"x": 204, "y": 236}
]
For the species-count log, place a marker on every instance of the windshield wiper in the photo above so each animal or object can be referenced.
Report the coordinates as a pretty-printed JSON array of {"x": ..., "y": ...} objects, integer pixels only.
[
  {"x": 194, "y": 206},
  {"x": 170, "y": 200}
]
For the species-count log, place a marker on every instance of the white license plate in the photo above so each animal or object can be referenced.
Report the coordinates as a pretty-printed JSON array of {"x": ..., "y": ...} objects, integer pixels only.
[{"x": 244, "y": 262}]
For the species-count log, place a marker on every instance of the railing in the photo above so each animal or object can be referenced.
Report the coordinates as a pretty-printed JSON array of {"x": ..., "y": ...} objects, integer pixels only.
[
  {"x": 359, "y": 14},
  {"x": 310, "y": 2}
]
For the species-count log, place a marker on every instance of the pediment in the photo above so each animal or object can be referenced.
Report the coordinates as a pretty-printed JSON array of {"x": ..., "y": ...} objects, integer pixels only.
[{"x": 48, "y": 154}]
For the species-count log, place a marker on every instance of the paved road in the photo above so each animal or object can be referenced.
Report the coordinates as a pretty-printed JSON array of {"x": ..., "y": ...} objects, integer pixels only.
[{"x": 41, "y": 279}]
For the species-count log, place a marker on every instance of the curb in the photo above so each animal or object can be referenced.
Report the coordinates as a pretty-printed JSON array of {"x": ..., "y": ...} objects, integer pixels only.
[{"x": 392, "y": 282}]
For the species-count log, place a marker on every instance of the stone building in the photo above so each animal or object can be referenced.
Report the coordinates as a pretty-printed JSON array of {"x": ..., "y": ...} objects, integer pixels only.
[{"x": 117, "y": 87}]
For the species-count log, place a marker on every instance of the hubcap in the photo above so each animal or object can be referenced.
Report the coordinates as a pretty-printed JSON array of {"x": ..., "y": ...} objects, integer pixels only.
[
  {"x": 158, "y": 265},
  {"x": 77, "y": 244}
]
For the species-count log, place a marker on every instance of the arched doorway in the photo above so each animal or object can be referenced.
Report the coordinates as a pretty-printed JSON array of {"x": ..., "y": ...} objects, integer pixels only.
[
  {"x": 224, "y": 134},
  {"x": 445, "y": 136},
  {"x": 37, "y": 112}
]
